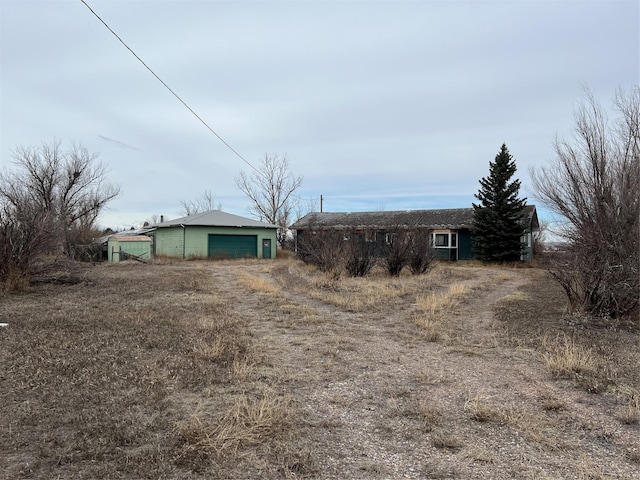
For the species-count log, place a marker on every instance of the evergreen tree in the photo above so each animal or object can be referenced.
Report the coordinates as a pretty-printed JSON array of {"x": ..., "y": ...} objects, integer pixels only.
[{"x": 498, "y": 217}]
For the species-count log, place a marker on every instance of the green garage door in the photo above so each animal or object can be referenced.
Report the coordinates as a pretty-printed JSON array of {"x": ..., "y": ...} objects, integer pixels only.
[{"x": 233, "y": 246}]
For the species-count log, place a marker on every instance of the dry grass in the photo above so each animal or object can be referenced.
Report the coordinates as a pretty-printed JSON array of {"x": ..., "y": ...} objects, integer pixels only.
[
  {"x": 552, "y": 404},
  {"x": 96, "y": 375},
  {"x": 629, "y": 413},
  {"x": 479, "y": 454},
  {"x": 201, "y": 369},
  {"x": 479, "y": 410},
  {"x": 564, "y": 358},
  {"x": 434, "y": 311},
  {"x": 248, "y": 422},
  {"x": 445, "y": 439},
  {"x": 258, "y": 284}
]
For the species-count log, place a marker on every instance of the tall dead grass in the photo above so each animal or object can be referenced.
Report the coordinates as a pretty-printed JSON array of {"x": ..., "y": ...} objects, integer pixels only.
[
  {"x": 248, "y": 422},
  {"x": 434, "y": 311},
  {"x": 564, "y": 358},
  {"x": 375, "y": 292}
]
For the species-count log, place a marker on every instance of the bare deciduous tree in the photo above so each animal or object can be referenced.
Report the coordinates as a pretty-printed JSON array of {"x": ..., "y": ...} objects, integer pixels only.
[
  {"x": 68, "y": 188},
  {"x": 202, "y": 204},
  {"x": 593, "y": 183},
  {"x": 271, "y": 189}
]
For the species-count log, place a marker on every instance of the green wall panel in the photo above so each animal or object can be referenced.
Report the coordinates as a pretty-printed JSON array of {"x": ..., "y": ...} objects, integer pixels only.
[{"x": 193, "y": 241}]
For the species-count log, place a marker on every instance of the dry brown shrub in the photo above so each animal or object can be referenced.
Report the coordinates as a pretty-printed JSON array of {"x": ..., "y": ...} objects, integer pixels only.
[
  {"x": 564, "y": 358},
  {"x": 258, "y": 284},
  {"x": 479, "y": 410},
  {"x": 248, "y": 422},
  {"x": 629, "y": 414},
  {"x": 535, "y": 427},
  {"x": 479, "y": 454},
  {"x": 446, "y": 440},
  {"x": 552, "y": 404}
]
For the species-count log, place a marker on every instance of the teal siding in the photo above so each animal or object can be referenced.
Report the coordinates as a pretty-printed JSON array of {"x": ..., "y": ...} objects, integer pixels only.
[
  {"x": 266, "y": 248},
  {"x": 193, "y": 241},
  {"x": 527, "y": 246},
  {"x": 133, "y": 246},
  {"x": 232, "y": 246},
  {"x": 465, "y": 250},
  {"x": 169, "y": 241}
]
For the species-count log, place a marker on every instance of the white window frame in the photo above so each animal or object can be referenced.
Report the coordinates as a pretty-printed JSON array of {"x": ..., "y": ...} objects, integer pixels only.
[{"x": 450, "y": 234}]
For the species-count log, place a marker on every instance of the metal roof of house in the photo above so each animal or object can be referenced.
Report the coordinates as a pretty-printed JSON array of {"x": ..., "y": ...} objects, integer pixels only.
[
  {"x": 214, "y": 218},
  {"x": 456, "y": 218}
]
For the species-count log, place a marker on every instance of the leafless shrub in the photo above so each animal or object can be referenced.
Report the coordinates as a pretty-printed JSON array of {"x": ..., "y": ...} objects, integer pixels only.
[
  {"x": 594, "y": 184},
  {"x": 421, "y": 252},
  {"x": 26, "y": 231},
  {"x": 396, "y": 250},
  {"x": 322, "y": 248},
  {"x": 360, "y": 255}
]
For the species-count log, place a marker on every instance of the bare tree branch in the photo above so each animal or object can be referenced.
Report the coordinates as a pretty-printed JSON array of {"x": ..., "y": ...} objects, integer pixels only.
[
  {"x": 594, "y": 184},
  {"x": 202, "y": 204},
  {"x": 68, "y": 189},
  {"x": 271, "y": 191}
]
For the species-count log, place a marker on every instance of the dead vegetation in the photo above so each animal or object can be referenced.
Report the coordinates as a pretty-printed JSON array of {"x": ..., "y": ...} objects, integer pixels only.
[{"x": 254, "y": 369}]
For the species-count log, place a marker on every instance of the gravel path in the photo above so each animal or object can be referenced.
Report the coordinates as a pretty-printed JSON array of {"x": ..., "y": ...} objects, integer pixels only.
[{"x": 379, "y": 401}]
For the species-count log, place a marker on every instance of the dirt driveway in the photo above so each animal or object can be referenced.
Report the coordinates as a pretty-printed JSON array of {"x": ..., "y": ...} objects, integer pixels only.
[{"x": 379, "y": 399}]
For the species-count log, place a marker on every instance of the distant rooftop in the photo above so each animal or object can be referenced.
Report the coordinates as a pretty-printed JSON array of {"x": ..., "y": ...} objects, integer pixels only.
[
  {"x": 456, "y": 218},
  {"x": 214, "y": 218}
]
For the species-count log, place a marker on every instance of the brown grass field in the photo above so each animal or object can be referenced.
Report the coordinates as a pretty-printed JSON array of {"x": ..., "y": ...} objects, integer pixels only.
[{"x": 269, "y": 369}]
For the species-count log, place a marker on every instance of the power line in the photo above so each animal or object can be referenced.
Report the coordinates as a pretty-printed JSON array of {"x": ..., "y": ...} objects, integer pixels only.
[{"x": 170, "y": 89}]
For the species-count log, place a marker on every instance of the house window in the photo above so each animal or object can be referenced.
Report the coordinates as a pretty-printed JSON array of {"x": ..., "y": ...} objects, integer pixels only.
[
  {"x": 369, "y": 236},
  {"x": 388, "y": 238},
  {"x": 441, "y": 240},
  {"x": 445, "y": 239}
]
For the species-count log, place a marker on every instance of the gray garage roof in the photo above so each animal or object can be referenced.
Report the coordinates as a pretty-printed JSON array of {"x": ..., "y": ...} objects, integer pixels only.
[{"x": 214, "y": 218}]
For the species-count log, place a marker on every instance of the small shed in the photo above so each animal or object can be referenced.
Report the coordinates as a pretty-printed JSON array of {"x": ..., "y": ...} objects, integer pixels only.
[
  {"x": 121, "y": 247},
  {"x": 214, "y": 234}
]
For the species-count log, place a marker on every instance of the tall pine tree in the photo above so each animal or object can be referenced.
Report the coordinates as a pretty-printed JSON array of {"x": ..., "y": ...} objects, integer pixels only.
[{"x": 498, "y": 217}]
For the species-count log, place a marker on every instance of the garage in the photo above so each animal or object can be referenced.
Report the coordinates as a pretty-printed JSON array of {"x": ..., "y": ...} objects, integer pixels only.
[
  {"x": 233, "y": 246},
  {"x": 214, "y": 234}
]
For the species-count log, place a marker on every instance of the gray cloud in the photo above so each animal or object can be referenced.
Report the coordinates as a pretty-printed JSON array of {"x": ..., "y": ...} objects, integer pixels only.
[{"x": 401, "y": 104}]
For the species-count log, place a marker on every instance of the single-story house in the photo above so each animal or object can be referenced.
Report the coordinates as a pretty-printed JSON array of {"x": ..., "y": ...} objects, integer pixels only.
[
  {"x": 451, "y": 230},
  {"x": 214, "y": 234},
  {"x": 120, "y": 246}
]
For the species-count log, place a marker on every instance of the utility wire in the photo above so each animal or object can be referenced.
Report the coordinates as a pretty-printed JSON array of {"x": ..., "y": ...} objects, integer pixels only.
[{"x": 170, "y": 89}]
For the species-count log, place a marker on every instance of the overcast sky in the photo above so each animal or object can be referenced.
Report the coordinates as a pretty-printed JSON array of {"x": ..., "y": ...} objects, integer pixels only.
[{"x": 377, "y": 104}]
